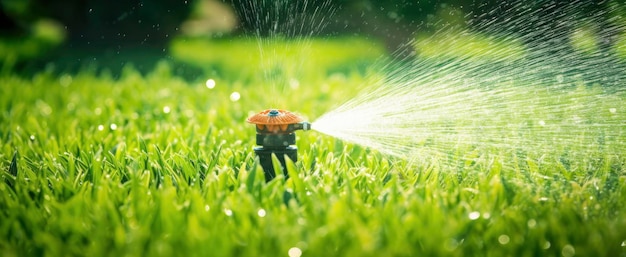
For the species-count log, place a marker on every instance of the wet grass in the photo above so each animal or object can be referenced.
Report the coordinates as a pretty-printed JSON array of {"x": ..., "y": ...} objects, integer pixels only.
[{"x": 158, "y": 166}]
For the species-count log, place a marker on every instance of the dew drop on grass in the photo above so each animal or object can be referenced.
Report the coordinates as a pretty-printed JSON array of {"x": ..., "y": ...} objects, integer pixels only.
[
  {"x": 624, "y": 243},
  {"x": 474, "y": 215},
  {"x": 531, "y": 223},
  {"x": 100, "y": 127},
  {"x": 207, "y": 207},
  {"x": 504, "y": 239},
  {"x": 32, "y": 137},
  {"x": 568, "y": 251},
  {"x": 113, "y": 126},
  {"x": 228, "y": 212},
  {"x": 612, "y": 110},
  {"x": 294, "y": 252},
  {"x": 166, "y": 109},
  {"x": 235, "y": 96},
  {"x": 261, "y": 213}
]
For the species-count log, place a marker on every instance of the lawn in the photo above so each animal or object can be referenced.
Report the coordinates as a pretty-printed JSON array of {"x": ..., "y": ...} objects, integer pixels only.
[{"x": 95, "y": 164}]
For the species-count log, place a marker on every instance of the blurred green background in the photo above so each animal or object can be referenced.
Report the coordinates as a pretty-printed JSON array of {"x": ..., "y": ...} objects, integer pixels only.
[{"x": 194, "y": 34}]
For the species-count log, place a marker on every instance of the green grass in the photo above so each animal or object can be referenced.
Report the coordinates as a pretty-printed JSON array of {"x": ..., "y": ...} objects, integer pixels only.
[
  {"x": 157, "y": 166},
  {"x": 276, "y": 57}
]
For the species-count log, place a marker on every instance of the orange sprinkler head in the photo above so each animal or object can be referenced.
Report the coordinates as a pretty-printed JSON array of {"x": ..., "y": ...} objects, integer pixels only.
[
  {"x": 275, "y": 135},
  {"x": 276, "y": 121}
]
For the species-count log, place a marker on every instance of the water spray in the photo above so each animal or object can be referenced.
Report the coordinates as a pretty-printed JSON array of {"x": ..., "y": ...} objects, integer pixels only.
[{"x": 275, "y": 135}]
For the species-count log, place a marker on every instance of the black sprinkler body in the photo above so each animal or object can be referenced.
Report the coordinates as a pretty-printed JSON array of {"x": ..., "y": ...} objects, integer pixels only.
[{"x": 275, "y": 135}]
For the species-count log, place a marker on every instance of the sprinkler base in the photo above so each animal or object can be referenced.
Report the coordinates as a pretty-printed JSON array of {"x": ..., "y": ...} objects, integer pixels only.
[{"x": 265, "y": 158}]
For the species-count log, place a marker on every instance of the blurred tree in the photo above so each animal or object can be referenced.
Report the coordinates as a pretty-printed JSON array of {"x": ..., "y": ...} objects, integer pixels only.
[
  {"x": 7, "y": 24},
  {"x": 134, "y": 21},
  {"x": 101, "y": 22},
  {"x": 392, "y": 22},
  {"x": 210, "y": 18}
]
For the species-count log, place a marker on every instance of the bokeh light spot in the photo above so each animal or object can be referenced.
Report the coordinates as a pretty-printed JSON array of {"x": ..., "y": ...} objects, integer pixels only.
[
  {"x": 210, "y": 83},
  {"x": 235, "y": 96},
  {"x": 294, "y": 252}
]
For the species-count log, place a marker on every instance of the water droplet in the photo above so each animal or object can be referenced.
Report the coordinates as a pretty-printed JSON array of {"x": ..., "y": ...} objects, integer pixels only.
[
  {"x": 90, "y": 10},
  {"x": 623, "y": 243},
  {"x": 113, "y": 126},
  {"x": 166, "y": 109},
  {"x": 542, "y": 123},
  {"x": 32, "y": 137},
  {"x": 228, "y": 212},
  {"x": 261, "y": 213},
  {"x": 612, "y": 110},
  {"x": 486, "y": 215},
  {"x": 546, "y": 245},
  {"x": 543, "y": 199},
  {"x": 531, "y": 223},
  {"x": 235, "y": 96},
  {"x": 474, "y": 215},
  {"x": 294, "y": 252},
  {"x": 568, "y": 251},
  {"x": 101, "y": 127},
  {"x": 504, "y": 239},
  {"x": 207, "y": 207},
  {"x": 210, "y": 83},
  {"x": 560, "y": 78}
]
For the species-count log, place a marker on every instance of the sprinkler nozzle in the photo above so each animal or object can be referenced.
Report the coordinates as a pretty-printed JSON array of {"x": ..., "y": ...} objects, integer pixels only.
[
  {"x": 305, "y": 125},
  {"x": 275, "y": 135}
]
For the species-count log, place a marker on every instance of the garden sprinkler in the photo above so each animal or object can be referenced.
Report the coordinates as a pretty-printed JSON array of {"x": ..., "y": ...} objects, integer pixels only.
[{"x": 275, "y": 135}]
